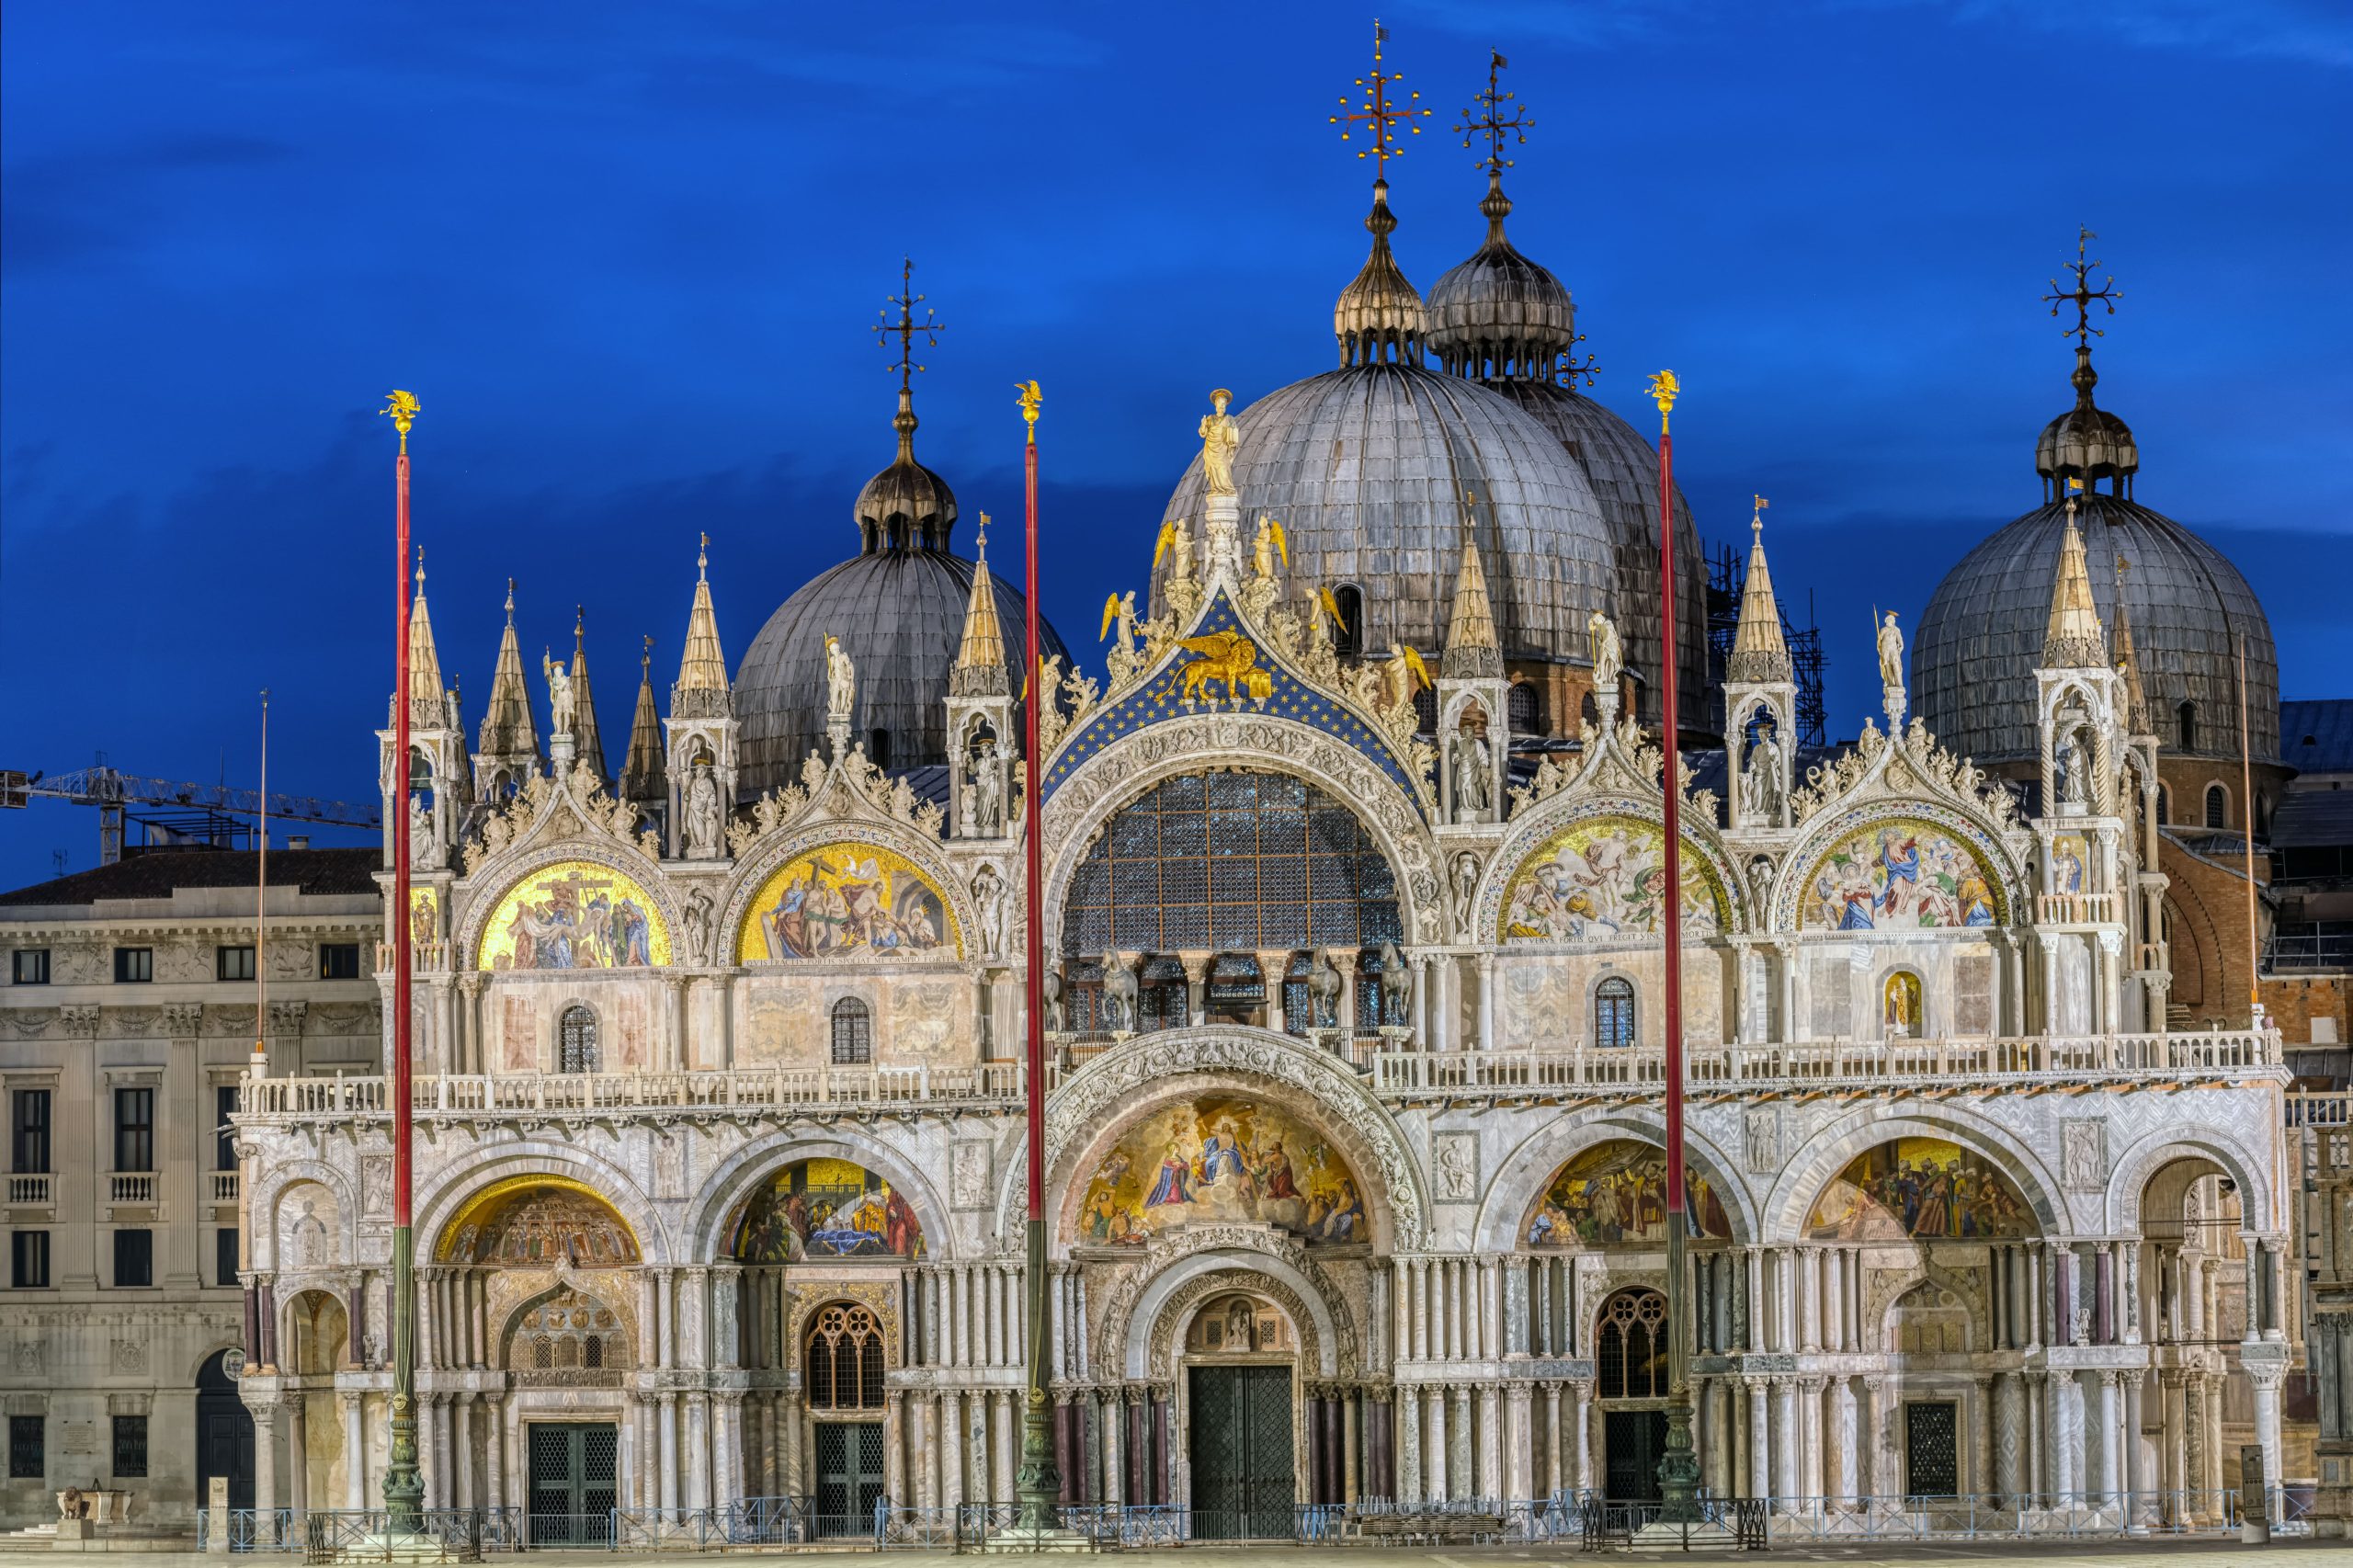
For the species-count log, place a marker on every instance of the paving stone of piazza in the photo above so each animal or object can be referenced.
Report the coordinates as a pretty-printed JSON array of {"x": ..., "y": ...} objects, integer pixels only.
[{"x": 2196, "y": 1553}]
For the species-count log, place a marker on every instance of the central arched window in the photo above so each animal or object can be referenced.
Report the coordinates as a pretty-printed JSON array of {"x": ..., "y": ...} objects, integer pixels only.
[
  {"x": 1525, "y": 709},
  {"x": 2188, "y": 715},
  {"x": 575, "y": 1041},
  {"x": 1613, "y": 1012},
  {"x": 1630, "y": 1351},
  {"x": 1348, "y": 638},
  {"x": 1231, "y": 862},
  {"x": 853, "y": 1033},
  {"x": 843, "y": 1368},
  {"x": 2218, "y": 806}
]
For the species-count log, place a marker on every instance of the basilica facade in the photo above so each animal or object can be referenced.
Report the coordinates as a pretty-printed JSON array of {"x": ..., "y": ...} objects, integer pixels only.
[{"x": 1354, "y": 905}]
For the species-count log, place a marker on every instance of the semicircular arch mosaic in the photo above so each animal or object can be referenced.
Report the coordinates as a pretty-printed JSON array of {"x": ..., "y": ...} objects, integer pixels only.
[
  {"x": 1919, "y": 1189},
  {"x": 575, "y": 915},
  {"x": 1213, "y": 1158},
  {"x": 1900, "y": 874},
  {"x": 848, "y": 900},
  {"x": 824, "y": 1210},
  {"x": 537, "y": 1221},
  {"x": 1614, "y": 1194},
  {"x": 1601, "y": 877}
]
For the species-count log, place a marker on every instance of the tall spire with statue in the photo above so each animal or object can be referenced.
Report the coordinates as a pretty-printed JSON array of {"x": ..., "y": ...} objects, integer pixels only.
[
  {"x": 586, "y": 746},
  {"x": 506, "y": 750}
]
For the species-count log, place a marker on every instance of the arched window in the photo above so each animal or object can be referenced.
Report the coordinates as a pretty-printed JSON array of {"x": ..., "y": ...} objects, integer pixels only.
[
  {"x": 1901, "y": 1005},
  {"x": 1524, "y": 707},
  {"x": 1349, "y": 638},
  {"x": 2218, "y": 806},
  {"x": 843, "y": 1368},
  {"x": 2165, "y": 805},
  {"x": 1630, "y": 1349},
  {"x": 878, "y": 747},
  {"x": 1613, "y": 1012},
  {"x": 575, "y": 1041},
  {"x": 1426, "y": 712},
  {"x": 2187, "y": 714},
  {"x": 853, "y": 1033}
]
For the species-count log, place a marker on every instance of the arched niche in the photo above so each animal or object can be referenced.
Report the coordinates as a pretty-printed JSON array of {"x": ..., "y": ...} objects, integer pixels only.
[
  {"x": 848, "y": 899},
  {"x": 1602, "y": 878},
  {"x": 1901, "y": 874},
  {"x": 580, "y": 1332}
]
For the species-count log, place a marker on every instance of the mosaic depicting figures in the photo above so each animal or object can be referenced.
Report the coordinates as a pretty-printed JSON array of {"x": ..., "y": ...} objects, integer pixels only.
[
  {"x": 848, "y": 901},
  {"x": 423, "y": 915},
  {"x": 574, "y": 915},
  {"x": 817, "y": 1210},
  {"x": 1921, "y": 1189},
  {"x": 1212, "y": 1159},
  {"x": 541, "y": 1227},
  {"x": 1900, "y": 876},
  {"x": 1615, "y": 1194},
  {"x": 1603, "y": 878}
]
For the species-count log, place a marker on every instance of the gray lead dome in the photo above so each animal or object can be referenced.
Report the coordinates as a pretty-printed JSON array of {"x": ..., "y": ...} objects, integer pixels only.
[{"x": 1367, "y": 468}]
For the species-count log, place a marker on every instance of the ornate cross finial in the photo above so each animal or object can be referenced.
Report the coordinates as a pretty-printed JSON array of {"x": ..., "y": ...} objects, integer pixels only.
[
  {"x": 906, "y": 329},
  {"x": 1567, "y": 366},
  {"x": 2084, "y": 295},
  {"x": 1378, "y": 114},
  {"x": 1757, "y": 518},
  {"x": 1493, "y": 124}
]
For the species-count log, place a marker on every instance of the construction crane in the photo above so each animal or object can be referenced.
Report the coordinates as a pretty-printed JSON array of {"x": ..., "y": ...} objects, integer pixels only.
[{"x": 182, "y": 815}]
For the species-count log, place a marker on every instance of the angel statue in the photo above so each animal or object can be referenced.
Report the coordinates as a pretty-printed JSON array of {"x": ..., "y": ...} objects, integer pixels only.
[
  {"x": 1403, "y": 674},
  {"x": 1608, "y": 657},
  {"x": 1178, "y": 587},
  {"x": 1324, "y": 618},
  {"x": 1119, "y": 610},
  {"x": 1270, "y": 544},
  {"x": 559, "y": 694},
  {"x": 841, "y": 681},
  {"x": 1221, "y": 437}
]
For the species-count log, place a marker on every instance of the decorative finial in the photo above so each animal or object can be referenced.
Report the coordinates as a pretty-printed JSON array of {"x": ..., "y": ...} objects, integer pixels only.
[
  {"x": 1376, "y": 114},
  {"x": 645, "y": 659},
  {"x": 702, "y": 561},
  {"x": 1664, "y": 389},
  {"x": 510, "y": 603},
  {"x": 2084, "y": 295},
  {"x": 1757, "y": 518},
  {"x": 906, "y": 329},
  {"x": 420, "y": 571},
  {"x": 579, "y": 627},
  {"x": 983, "y": 541},
  {"x": 1493, "y": 124},
  {"x": 1030, "y": 398},
  {"x": 401, "y": 409}
]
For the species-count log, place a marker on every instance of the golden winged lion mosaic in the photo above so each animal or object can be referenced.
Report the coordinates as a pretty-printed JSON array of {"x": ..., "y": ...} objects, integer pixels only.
[{"x": 1231, "y": 660}]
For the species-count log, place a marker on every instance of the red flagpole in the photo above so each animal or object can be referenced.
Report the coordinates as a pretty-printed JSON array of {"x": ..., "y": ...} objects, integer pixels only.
[
  {"x": 1670, "y": 727},
  {"x": 403, "y": 1484}
]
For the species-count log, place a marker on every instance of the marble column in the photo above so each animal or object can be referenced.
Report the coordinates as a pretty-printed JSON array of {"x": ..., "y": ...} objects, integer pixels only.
[
  {"x": 1436, "y": 1470},
  {"x": 1488, "y": 1040},
  {"x": 665, "y": 1421},
  {"x": 493, "y": 1450},
  {"x": 1786, "y": 1485},
  {"x": 265, "y": 1418},
  {"x": 1844, "y": 1422},
  {"x": 1760, "y": 1472},
  {"x": 1809, "y": 1392},
  {"x": 1459, "y": 1475},
  {"x": 1408, "y": 1405},
  {"x": 1552, "y": 1478},
  {"x": 1502, "y": 1431},
  {"x": 1581, "y": 1431}
]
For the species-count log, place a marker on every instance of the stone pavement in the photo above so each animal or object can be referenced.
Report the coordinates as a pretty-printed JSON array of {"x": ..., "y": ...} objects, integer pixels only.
[{"x": 2196, "y": 1553}]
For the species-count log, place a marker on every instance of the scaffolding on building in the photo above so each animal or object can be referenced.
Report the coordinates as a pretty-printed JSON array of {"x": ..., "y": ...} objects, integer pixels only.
[{"x": 1727, "y": 575}]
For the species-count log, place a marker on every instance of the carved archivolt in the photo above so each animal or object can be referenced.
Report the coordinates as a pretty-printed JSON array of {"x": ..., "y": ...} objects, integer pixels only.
[
  {"x": 1119, "y": 1081},
  {"x": 1116, "y": 1310},
  {"x": 1128, "y": 766},
  {"x": 1178, "y": 1310}
]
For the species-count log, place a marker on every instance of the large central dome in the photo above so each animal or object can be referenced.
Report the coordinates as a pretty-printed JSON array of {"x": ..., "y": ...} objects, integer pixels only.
[{"x": 1367, "y": 467}]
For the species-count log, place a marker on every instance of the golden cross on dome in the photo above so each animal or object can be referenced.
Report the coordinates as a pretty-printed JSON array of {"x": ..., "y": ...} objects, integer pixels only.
[
  {"x": 907, "y": 328},
  {"x": 1493, "y": 124},
  {"x": 1378, "y": 114},
  {"x": 2083, "y": 295}
]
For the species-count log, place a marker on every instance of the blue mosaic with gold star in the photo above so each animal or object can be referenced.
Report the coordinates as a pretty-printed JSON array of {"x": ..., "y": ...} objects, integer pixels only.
[{"x": 1195, "y": 680}]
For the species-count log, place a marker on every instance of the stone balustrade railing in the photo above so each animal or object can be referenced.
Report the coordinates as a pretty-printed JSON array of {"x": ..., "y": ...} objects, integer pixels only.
[
  {"x": 1405, "y": 1075},
  {"x": 1835, "y": 1063}
]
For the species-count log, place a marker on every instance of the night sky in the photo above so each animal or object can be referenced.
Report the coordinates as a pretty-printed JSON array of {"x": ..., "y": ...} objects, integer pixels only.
[{"x": 628, "y": 257}]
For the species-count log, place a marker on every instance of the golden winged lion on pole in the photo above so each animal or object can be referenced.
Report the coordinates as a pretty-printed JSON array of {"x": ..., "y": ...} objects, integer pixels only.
[{"x": 1231, "y": 660}]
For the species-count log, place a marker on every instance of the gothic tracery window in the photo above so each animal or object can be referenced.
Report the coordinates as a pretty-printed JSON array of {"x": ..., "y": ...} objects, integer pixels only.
[
  {"x": 1631, "y": 1348},
  {"x": 843, "y": 1368},
  {"x": 569, "y": 1338}
]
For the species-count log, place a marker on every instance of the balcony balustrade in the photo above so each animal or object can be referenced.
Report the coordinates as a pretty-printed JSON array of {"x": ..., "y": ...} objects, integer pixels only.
[
  {"x": 33, "y": 1187},
  {"x": 2077, "y": 908},
  {"x": 130, "y": 1187}
]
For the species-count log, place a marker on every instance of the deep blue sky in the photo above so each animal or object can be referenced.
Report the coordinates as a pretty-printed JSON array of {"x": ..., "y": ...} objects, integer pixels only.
[{"x": 628, "y": 257}]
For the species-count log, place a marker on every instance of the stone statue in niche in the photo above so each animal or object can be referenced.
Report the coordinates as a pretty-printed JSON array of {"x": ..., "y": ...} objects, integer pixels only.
[
  {"x": 988, "y": 793},
  {"x": 424, "y": 844},
  {"x": 1050, "y": 992},
  {"x": 1760, "y": 783},
  {"x": 1473, "y": 774},
  {"x": 1464, "y": 877},
  {"x": 696, "y": 920},
  {"x": 704, "y": 820},
  {"x": 988, "y": 898},
  {"x": 2067, "y": 766}
]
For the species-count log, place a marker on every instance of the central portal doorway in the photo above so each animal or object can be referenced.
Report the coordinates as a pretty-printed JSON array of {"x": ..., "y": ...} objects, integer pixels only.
[
  {"x": 1244, "y": 1487},
  {"x": 573, "y": 1466},
  {"x": 850, "y": 1476},
  {"x": 1633, "y": 1442}
]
